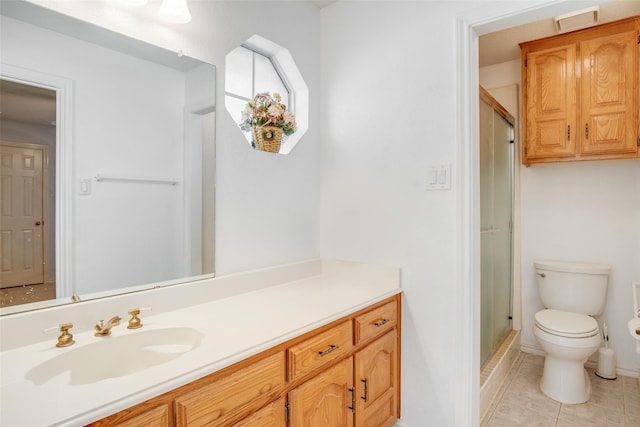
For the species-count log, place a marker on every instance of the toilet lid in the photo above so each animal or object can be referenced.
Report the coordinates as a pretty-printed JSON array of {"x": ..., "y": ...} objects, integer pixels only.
[{"x": 566, "y": 324}]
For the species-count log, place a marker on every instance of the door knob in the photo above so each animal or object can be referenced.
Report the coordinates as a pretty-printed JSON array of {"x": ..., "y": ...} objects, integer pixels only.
[{"x": 38, "y": 222}]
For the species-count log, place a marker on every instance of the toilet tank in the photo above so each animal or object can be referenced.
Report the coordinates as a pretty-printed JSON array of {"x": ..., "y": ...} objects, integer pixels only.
[{"x": 577, "y": 287}]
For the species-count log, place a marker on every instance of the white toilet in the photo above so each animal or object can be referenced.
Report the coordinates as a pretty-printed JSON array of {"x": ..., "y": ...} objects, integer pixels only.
[{"x": 571, "y": 293}]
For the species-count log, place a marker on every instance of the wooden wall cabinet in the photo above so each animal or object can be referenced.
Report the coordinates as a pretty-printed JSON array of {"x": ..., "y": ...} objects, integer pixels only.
[
  {"x": 345, "y": 374},
  {"x": 581, "y": 95}
]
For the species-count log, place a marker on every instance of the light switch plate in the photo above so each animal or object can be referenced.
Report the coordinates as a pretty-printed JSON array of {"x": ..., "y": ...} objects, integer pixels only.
[
  {"x": 439, "y": 177},
  {"x": 85, "y": 187}
]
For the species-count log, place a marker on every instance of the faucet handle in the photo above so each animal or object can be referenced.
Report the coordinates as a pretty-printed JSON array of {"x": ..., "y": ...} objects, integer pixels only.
[
  {"x": 135, "y": 322},
  {"x": 65, "y": 339}
]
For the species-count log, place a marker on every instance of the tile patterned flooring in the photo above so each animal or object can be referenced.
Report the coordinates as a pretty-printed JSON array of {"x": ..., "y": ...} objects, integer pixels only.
[{"x": 520, "y": 402}]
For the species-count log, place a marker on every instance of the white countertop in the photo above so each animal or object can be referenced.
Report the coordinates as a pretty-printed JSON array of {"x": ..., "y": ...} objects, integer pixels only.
[{"x": 234, "y": 328}]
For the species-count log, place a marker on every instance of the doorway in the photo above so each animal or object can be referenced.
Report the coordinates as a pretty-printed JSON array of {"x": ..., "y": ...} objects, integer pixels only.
[{"x": 28, "y": 124}]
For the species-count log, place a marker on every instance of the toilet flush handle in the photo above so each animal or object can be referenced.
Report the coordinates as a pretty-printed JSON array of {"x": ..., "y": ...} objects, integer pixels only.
[{"x": 541, "y": 275}]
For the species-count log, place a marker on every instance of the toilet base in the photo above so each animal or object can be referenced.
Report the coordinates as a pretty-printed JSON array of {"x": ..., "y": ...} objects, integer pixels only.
[{"x": 565, "y": 381}]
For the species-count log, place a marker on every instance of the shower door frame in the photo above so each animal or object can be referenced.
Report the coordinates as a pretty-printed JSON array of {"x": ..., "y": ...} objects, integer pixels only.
[{"x": 510, "y": 119}]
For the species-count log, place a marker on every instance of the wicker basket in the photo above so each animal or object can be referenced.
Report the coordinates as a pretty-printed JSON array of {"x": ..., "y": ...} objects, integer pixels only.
[{"x": 268, "y": 138}]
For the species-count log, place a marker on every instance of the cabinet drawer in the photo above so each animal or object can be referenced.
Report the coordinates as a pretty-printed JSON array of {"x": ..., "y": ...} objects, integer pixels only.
[
  {"x": 212, "y": 404},
  {"x": 376, "y": 322},
  {"x": 157, "y": 417},
  {"x": 320, "y": 349}
]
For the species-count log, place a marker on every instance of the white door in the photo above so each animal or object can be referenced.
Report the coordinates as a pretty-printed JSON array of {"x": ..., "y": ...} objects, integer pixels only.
[{"x": 22, "y": 219}]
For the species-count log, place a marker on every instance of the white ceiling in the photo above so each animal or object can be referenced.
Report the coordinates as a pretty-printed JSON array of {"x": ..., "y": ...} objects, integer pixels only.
[{"x": 502, "y": 46}]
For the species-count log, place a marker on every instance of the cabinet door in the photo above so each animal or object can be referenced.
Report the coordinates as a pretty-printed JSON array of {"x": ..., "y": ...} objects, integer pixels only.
[
  {"x": 270, "y": 416},
  {"x": 325, "y": 400},
  {"x": 608, "y": 98},
  {"x": 376, "y": 368},
  {"x": 550, "y": 103}
]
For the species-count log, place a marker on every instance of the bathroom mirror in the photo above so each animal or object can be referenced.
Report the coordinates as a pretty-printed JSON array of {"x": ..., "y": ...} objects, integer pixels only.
[{"x": 126, "y": 160}]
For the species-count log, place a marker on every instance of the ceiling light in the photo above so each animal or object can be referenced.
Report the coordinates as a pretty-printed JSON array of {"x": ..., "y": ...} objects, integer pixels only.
[
  {"x": 175, "y": 11},
  {"x": 577, "y": 20}
]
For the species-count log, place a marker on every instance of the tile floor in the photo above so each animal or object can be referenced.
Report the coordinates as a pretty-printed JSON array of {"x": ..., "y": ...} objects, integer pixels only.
[{"x": 521, "y": 403}]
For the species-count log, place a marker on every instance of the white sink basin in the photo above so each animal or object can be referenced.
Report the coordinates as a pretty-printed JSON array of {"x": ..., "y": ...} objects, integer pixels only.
[{"x": 116, "y": 356}]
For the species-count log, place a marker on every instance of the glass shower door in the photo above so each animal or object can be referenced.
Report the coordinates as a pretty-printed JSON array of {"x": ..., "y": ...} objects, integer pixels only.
[{"x": 496, "y": 208}]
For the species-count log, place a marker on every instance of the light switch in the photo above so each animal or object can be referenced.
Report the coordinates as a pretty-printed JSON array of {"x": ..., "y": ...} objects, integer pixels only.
[
  {"x": 439, "y": 178},
  {"x": 443, "y": 176},
  {"x": 85, "y": 187},
  {"x": 433, "y": 177}
]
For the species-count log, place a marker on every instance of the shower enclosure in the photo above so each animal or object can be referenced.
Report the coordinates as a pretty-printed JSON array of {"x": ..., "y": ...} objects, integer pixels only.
[{"x": 496, "y": 213}]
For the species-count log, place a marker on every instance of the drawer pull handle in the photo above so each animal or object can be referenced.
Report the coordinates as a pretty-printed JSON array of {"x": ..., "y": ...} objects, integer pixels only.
[
  {"x": 329, "y": 350},
  {"x": 353, "y": 399},
  {"x": 381, "y": 322},
  {"x": 365, "y": 397}
]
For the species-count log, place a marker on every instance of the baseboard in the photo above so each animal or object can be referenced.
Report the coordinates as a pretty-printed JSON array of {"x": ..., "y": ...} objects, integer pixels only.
[
  {"x": 400, "y": 423},
  {"x": 526, "y": 348}
]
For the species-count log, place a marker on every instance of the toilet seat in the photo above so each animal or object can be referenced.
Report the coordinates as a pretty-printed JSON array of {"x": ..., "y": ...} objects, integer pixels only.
[{"x": 566, "y": 324}]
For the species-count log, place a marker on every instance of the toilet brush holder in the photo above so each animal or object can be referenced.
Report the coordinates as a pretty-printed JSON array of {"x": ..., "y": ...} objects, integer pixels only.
[{"x": 606, "y": 363}]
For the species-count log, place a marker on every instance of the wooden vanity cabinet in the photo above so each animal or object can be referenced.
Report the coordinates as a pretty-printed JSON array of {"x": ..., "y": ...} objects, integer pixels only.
[
  {"x": 344, "y": 374},
  {"x": 362, "y": 390},
  {"x": 581, "y": 95}
]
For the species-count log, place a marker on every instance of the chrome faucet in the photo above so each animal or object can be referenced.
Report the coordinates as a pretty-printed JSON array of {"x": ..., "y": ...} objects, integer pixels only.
[{"x": 104, "y": 329}]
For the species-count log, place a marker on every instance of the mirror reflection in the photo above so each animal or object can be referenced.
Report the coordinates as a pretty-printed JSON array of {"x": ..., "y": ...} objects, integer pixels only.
[{"x": 107, "y": 164}]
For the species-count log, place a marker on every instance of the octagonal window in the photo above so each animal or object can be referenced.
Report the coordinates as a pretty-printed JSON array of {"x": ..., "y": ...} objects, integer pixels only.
[{"x": 260, "y": 66}]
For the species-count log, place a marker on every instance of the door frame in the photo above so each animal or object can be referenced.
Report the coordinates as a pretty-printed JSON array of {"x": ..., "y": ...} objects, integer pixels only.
[
  {"x": 470, "y": 25},
  {"x": 64, "y": 248}
]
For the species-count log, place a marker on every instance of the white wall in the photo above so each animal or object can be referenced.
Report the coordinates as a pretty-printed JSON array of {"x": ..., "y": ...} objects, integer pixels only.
[
  {"x": 585, "y": 211},
  {"x": 389, "y": 113}
]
